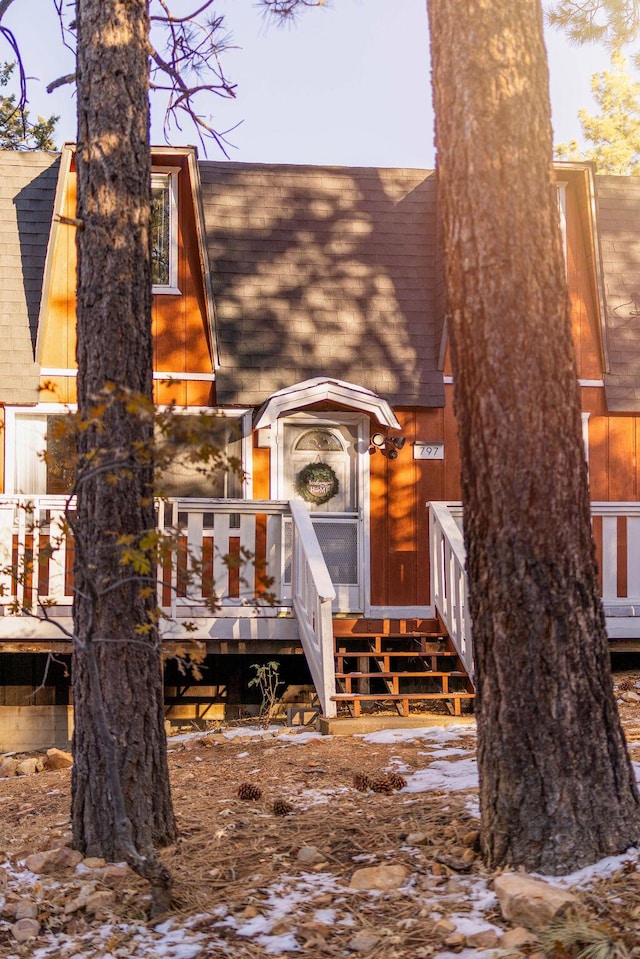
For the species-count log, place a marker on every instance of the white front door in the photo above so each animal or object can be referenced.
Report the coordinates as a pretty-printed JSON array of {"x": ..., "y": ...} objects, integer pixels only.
[{"x": 323, "y": 461}]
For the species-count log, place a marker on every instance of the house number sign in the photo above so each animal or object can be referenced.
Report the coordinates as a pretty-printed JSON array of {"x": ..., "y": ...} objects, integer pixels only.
[{"x": 428, "y": 451}]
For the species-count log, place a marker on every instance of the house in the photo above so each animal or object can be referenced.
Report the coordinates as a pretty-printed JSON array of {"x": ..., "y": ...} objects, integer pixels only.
[{"x": 305, "y": 304}]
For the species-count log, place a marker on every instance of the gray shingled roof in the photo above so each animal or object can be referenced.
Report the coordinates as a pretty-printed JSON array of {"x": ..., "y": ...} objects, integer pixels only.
[
  {"x": 619, "y": 228},
  {"x": 27, "y": 190},
  {"x": 323, "y": 271}
]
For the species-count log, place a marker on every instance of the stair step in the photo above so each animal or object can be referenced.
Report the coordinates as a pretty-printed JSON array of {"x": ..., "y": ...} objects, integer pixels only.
[
  {"x": 341, "y": 697},
  {"x": 428, "y": 673},
  {"x": 393, "y": 653}
]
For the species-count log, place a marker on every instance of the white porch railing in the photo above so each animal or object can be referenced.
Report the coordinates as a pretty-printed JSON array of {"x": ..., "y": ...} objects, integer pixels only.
[
  {"x": 616, "y": 532},
  {"x": 449, "y": 577},
  {"x": 230, "y": 549}
]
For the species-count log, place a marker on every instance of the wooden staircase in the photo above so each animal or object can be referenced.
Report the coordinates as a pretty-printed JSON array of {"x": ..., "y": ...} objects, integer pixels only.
[{"x": 405, "y": 664}]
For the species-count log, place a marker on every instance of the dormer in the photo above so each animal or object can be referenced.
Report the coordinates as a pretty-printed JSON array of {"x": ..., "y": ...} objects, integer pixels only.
[{"x": 183, "y": 316}]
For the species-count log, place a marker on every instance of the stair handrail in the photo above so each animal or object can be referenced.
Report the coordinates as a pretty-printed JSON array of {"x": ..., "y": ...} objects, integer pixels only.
[
  {"x": 449, "y": 585},
  {"x": 313, "y": 594}
]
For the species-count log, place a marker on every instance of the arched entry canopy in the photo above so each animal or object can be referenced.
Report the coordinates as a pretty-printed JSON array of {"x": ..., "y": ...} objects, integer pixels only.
[{"x": 319, "y": 390}]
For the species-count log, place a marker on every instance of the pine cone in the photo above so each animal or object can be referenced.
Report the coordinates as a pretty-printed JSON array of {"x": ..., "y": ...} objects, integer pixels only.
[
  {"x": 382, "y": 785},
  {"x": 249, "y": 791},
  {"x": 626, "y": 685},
  {"x": 282, "y": 808},
  {"x": 397, "y": 781},
  {"x": 362, "y": 782}
]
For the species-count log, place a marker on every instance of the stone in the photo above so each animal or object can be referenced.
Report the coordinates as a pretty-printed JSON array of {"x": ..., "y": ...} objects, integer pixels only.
[
  {"x": 27, "y": 767},
  {"x": 444, "y": 927},
  {"x": 94, "y": 862},
  {"x": 416, "y": 838},
  {"x": 471, "y": 838},
  {"x": 483, "y": 939},
  {"x": 310, "y": 855},
  {"x": 25, "y": 929},
  {"x": 531, "y": 902},
  {"x": 100, "y": 901},
  {"x": 54, "y": 860},
  {"x": 364, "y": 941},
  {"x": 517, "y": 938},
  {"x": 382, "y": 878},
  {"x": 58, "y": 759},
  {"x": 26, "y": 909},
  {"x": 115, "y": 872},
  {"x": 630, "y": 696},
  {"x": 455, "y": 941},
  {"x": 7, "y": 767}
]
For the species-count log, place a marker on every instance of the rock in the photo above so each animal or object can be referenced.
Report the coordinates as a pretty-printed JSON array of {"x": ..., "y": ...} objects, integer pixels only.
[
  {"x": 54, "y": 860},
  {"x": 471, "y": 838},
  {"x": 364, "y": 941},
  {"x": 379, "y": 877},
  {"x": 58, "y": 759},
  {"x": 444, "y": 927},
  {"x": 7, "y": 767},
  {"x": 455, "y": 941},
  {"x": 94, "y": 862},
  {"x": 27, "y": 767},
  {"x": 100, "y": 901},
  {"x": 518, "y": 937},
  {"x": 310, "y": 855},
  {"x": 26, "y": 909},
  {"x": 630, "y": 696},
  {"x": 416, "y": 838},
  {"x": 482, "y": 939},
  {"x": 25, "y": 929},
  {"x": 115, "y": 873},
  {"x": 314, "y": 929},
  {"x": 531, "y": 902}
]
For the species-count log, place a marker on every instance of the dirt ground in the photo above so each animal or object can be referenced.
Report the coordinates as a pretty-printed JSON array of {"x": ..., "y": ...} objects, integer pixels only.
[{"x": 245, "y": 887}]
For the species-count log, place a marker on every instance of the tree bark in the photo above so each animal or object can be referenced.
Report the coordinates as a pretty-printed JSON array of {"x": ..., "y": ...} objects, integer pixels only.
[
  {"x": 556, "y": 786},
  {"x": 117, "y": 676}
]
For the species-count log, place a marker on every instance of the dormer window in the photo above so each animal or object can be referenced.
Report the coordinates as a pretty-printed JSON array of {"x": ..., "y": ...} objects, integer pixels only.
[{"x": 164, "y": 231}]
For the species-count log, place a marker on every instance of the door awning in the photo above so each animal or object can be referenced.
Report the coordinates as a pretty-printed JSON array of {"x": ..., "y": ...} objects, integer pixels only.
[{"x": 319, "y": 390}]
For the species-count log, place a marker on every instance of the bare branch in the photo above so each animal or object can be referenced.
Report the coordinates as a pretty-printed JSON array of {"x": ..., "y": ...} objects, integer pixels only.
[{"x": 61, "y": 82}]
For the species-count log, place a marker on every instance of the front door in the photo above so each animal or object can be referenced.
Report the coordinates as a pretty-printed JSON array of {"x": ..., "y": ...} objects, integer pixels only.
[{"x": 323, "y": 462}]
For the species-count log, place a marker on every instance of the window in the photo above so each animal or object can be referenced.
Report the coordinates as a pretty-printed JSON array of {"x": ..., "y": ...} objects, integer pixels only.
[
  {"x": 29, "y": 433},
  {"x": 29, "y": 436},
  {"x": 186, "y": 475},
  {"x": 164, "y": 231}
]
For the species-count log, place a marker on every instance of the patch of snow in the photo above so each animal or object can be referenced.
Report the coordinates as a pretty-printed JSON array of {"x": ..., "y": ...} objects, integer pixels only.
[
  {"x": 300, "y": 738},
  {"x": 441, "y": 734},
  {"x": 598, "y": 870},
  {"x": 444, "y": 775}
]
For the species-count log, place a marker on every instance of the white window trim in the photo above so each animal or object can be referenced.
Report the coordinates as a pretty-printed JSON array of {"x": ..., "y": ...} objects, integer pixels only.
[
  {"x": 172, "y": 173},
  {"x": 53, "y": 409}
]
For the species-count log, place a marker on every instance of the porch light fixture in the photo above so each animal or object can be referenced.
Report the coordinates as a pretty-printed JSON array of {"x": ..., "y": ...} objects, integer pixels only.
[{"x": 387, "y": 444}]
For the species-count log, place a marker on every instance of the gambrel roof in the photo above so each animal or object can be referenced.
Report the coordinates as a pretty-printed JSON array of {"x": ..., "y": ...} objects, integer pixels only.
[{"x": 323, "y": 271}]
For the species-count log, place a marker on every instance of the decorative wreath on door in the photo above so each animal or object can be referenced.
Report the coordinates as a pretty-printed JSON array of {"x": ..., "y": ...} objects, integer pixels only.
[{"x": 317, "y": 483}]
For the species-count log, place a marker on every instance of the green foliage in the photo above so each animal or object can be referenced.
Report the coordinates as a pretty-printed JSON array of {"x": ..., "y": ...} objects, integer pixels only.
[
  {"x": 614, "y": 133},
  {"x": 611, "y": 22},
  {"x": 267, "y": 679},
  {"x": 16, "y": 130}
]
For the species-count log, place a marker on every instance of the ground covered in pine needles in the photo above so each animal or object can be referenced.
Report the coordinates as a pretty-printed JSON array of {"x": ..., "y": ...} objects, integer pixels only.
[{"x": 343, "y": 846}]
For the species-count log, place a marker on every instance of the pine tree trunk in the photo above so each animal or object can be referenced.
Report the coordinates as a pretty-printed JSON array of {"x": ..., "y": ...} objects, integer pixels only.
[
  {"x": 117, "y": 678},
  {"x": 556, "y": 786}
]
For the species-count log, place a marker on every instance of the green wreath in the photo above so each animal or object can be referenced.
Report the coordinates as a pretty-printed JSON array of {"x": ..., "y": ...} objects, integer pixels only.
[{"x": 317, "y": 483}]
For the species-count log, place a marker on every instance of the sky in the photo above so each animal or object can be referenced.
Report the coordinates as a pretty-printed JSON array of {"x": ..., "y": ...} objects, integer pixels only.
[{"x": 347, "y": 85}]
